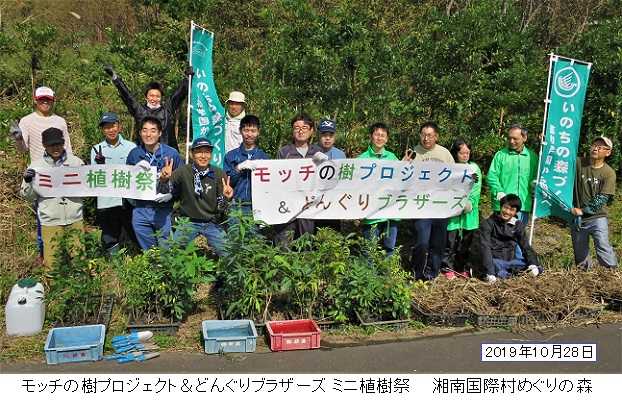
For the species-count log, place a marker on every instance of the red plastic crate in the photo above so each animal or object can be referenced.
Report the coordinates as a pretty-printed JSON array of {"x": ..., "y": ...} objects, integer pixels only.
[{"x": 297, "y": 334}]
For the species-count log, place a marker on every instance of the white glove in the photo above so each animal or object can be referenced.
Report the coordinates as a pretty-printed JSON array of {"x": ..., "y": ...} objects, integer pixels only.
[
  {"x": 144, "y": 164},
  {"x": 533, "y": 270},
  {"x": 163, "y": 197},
  {"x": 319, "y": 157},
  {"x": 491, "y": 278},
  {"x": 500, "y": 195},
  {"x": 15, "y": 131},
  {"x": 468, "y": 207},
  {"x": 245, "y": 165}
]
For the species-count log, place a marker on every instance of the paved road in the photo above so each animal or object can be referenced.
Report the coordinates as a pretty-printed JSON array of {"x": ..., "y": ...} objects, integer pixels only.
[{"x": 450, "y": 354}]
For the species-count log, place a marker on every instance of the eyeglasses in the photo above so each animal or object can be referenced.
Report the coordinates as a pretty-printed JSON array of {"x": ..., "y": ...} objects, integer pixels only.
[
  {"x": 301, "y": 128},
  {"x": 598, "y": 147},
  {"x": 427, "y": 135}
]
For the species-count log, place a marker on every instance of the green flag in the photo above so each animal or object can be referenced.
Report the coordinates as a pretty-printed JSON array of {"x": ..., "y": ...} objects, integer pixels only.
[
  {"x": 208, "y": 114},
  {"x": 567, "y": 87}
]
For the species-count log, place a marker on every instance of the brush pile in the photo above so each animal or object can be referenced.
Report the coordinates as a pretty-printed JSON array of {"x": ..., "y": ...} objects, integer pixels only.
[{"x": 555, "y": 296}]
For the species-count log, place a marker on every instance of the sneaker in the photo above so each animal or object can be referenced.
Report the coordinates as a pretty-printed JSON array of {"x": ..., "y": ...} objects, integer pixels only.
[
  {"x": 491, "y": 278},
  {"x": 449, "y": 275}
]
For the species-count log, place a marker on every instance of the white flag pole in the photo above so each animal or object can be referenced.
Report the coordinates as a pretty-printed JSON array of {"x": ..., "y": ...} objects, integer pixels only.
[
  {"x": 547, "y": 101},
  {"x": 189, "y": 102}
]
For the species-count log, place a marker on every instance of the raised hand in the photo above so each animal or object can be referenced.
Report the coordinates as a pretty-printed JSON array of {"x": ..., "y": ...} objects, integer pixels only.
[
  {"x": 108, "y": 69},
  {"x": 99, "y": 156},
  {"x": 227, "y": 190},
  {"x": 409, "y": 155},
  {"x": 15, "y": 131},
  {"x": 189, "y": 71},
  {"x": 167, "y": 170}
]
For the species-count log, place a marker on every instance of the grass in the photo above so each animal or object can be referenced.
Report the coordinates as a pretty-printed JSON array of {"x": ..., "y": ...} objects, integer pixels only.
[{"x": 18, "y": 255}]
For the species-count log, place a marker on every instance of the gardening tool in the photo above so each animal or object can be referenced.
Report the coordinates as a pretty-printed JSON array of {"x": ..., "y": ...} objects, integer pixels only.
[
  {"x": 134, "y": 337},
  {"x": 135, "y": 346},
  {"x": 133, "y": 356}
]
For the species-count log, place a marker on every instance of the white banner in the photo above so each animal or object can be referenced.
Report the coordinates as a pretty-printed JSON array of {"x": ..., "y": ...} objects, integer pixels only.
[
  {"x": 127, "y": 181},
  {"x": 358, "y": 189}
]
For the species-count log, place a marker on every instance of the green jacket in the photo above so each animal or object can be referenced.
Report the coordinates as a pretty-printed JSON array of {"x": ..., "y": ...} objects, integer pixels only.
[
  {"x": 469, "y": 221},
  {"x": 385, "y": 155},
  {"x": 512, "y": 172}
]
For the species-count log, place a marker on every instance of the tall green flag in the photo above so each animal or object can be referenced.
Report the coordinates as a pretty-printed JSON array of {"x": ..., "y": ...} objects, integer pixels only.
[
  {"x": 208, "y": 114},
  {"x": 568, "y": 80}
]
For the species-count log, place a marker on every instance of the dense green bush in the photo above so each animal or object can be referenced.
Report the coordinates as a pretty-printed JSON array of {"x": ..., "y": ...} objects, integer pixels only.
[{"x": 475, "y": 67}]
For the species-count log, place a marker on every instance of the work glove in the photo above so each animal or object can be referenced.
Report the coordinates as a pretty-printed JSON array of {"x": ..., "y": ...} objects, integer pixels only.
[
  {"x": 319, "y": 157},
  {"x": 245, "y": 165},
  {"x": 500, "y": 195},
  {"x": 189, "y": 71},
  {"x": 99, "y": 156},
  {"x": 468, "y": 207},
  {"x": 533, "y": 270},
  {"x": 29, "y": 174},
  {"x": 108, "y": 70},
  {"x": 163, "y": 197},
  {"x": 15, "y": 131},
  {"x": 491, "y": 278},
  {"x": 144, "y": 164}
]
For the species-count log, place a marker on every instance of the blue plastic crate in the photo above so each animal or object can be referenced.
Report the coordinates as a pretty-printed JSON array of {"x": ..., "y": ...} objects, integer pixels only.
[
  {"x": 229, "y": 336},
  {"x": 75, "y": 343}
]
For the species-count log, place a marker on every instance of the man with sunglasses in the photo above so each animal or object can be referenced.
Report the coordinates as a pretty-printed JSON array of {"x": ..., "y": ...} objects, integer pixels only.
[{"x": 595, "y": 184}]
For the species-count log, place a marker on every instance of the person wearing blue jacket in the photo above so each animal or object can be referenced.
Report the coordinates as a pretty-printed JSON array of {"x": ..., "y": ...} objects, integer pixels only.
[
  {"x": 237, "y": 166},
  {"x": 152, "y": 216}
]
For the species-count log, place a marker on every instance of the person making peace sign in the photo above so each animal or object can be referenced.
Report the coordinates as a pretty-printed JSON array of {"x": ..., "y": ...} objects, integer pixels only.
[{"x": 204, "y": 192}]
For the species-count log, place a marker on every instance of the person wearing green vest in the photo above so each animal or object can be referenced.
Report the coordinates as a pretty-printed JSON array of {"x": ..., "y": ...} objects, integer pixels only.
[
  {"x": 514, "y": 170},
  {"x": 384, "y": 228},
  {"x": 461, "y": 228}
]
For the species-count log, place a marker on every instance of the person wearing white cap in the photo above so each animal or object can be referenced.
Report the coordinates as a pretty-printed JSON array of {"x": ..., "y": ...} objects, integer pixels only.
[
  {"x": 595, "y": 184},
  {"x": 27, "y": 134},
  {"x": 236, "y": 104}
]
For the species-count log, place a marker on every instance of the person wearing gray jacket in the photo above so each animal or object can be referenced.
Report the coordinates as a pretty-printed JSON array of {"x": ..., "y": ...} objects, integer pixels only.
[{"x": 57, "y": 214}]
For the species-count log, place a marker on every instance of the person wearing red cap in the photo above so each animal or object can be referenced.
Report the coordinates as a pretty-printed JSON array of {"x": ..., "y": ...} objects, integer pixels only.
[{"x": 27, "y": 134}]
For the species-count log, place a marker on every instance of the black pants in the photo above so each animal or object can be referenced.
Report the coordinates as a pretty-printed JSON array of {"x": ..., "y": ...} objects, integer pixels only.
[
  {"x": 113, "y": 221},
  {"x": 334, "y": 224},
  {"x": 292, "y": 230},
  {"x": 427, "y": 254},
  {"x": 458, "y": 253}
]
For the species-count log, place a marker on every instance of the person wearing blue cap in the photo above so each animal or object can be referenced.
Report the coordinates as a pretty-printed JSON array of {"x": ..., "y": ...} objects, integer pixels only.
[
  {"x": 203, "y": 191},
  {"x": 151, "y": 219},
  {"x": 327, "y": 129},
  {"x": 113, "y": 215}
]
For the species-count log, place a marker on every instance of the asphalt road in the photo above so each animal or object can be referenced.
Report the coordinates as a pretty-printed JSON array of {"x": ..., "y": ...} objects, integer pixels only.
[{"x": 450, "y": 354}]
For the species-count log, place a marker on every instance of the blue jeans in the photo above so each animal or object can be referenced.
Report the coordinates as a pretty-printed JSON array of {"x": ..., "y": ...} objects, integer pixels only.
[
  {"x": 504, "y": 269},
  {"x": 147, "y": 221},
  {"x": 214, "y": 234},
  {"x": 431, "y": 241},
  {"x": 598, "y": 229},
  {"x": 386, "y": 231}
]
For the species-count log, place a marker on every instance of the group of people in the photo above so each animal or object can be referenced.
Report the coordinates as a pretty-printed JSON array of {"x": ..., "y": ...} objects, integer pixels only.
[{"x": 205, "y": 192}]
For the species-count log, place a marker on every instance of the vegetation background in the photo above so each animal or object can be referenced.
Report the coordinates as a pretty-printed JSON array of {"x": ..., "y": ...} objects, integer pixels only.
[{"x": 475, "y": 67}]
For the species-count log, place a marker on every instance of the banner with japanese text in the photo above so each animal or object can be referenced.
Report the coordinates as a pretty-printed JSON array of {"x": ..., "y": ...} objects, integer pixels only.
[
  {"x": 568, "y": 87},
  {"x": 128, "y": 181},
  {"x": 208, "y": 114},
  {"x": 358, "y": 189}
]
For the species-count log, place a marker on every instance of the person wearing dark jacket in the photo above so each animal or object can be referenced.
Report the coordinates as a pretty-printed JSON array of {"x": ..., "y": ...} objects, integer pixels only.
[
  {"x": 164, "y": 111},
  {"x": 500, "y": 236},
  {"x": 302, "y": 132},
  {"x": 236, "y": 165},
  {"x": 203, "y": 191}
]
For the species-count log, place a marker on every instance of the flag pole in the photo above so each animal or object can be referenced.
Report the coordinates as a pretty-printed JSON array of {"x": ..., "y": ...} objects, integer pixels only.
[
  {"x": 547, "y": 101},
  {"x": 189, "y": 102}
]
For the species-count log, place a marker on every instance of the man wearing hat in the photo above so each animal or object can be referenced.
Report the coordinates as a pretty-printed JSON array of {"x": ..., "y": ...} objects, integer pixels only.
[
  {"x": 201, "y": 190},
  {"x": 595, "y": 184},
  {"x": 236, "y": 103},
  {"x": 27, "y": 133},
  {"x": 112, "y": 214},
  {"x": 154, "y": 104},
  {"x": 327, "y": 129},
  {"x": 57, "y": 214}
]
